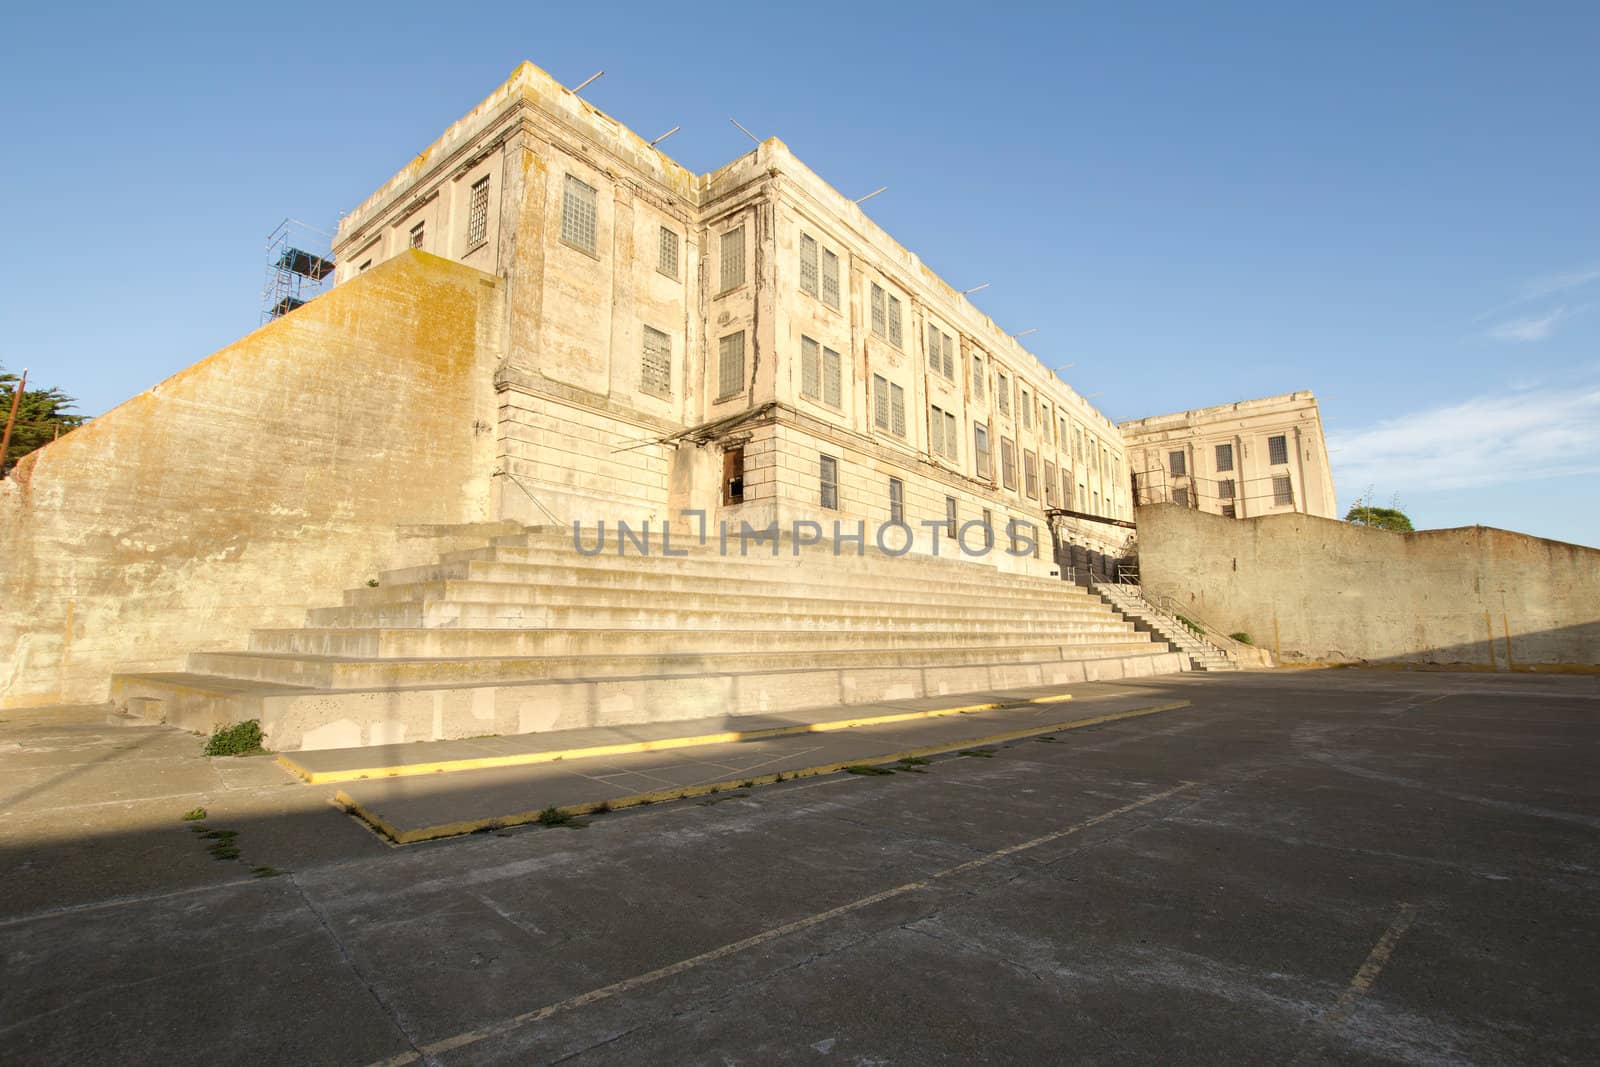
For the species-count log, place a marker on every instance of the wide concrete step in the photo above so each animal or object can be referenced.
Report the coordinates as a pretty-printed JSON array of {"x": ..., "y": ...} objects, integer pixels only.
[
  {"x": 720, "y": 611},
  {"x": 297, "y": 717},
  {"x": 424, "y": 643},
  {"x": 326, "y": 672},
  {"x": 729, "y": 579}
]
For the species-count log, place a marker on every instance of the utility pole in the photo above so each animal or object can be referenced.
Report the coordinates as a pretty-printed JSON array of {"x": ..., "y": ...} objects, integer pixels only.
[{"x": 16, "y": 398}]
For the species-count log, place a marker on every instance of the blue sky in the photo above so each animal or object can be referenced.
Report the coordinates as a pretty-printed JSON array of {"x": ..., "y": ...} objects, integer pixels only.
[{"x": 1393, "y": 205}]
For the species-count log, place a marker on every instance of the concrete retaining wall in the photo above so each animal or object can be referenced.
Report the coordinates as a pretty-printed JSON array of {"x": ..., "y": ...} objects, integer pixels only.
[
  {"x": 1319, "y": 590},
  {"x": 275, "y": 470}
]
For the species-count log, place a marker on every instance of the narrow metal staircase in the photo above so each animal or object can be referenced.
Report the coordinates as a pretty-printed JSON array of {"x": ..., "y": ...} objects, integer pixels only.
[{"x": 1203, "y": 654}]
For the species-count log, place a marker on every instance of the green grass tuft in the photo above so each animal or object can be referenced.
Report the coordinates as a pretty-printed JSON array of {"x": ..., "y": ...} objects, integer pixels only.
[
  {"x": 194, "y": 815},
  {"x": 862, "y": 768},
  {"x": 240, "y": 739},
  {"x": 554, "y": 817}
]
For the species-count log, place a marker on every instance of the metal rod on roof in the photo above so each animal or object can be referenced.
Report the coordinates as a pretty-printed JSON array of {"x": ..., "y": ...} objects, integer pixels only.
[
  {"x": 1025, "y": 333},
  {"x": 975, "y": 288},
  {"x": 744, "y": 131},
  {"x": 1064, "y": 366},
  {"x": 664, "y": 136},
  {"x": 869, "y": 196},
  {"x": 587, "y": 81}
]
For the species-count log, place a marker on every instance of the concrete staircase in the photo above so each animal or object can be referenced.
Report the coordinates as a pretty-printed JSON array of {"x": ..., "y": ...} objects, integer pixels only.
[
  {"x": 527, "y": 634},
  {"x": 1202, "y": 655}
]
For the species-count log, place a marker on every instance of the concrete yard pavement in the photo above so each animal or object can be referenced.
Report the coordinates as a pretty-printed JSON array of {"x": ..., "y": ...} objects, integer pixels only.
[{"x": 1327, "y": 866}]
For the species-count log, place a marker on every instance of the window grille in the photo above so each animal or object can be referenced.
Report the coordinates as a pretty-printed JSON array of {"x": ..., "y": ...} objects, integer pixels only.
[
  {"x": 1030, "y": 474},
  {"x": 478, "y": 214},
  {"x": 1278, "y": 449},
  {"x": 578, "y": 215},
  {"x": 980, "y": 450},
  {"x": 808, "y": 265},
  {"x": 1049, "y": 484},
  {"x": 880, "y": 402},
  {"x": 810, "y": 369},
  {"x": 1177, "y": 464},
  {"x": 897, "y": 500},
  {"x": 1225, "y": 488},
  {"x": 1002, "y": 392},
  {"x": 831, "y": 377},
  {"x": 1282, "y": 490},
  {"x": 1228, "y": 511},
  {"x": 1008, "y": 463},
  {"x": 880, "y": 326},
  {"x": 977, "y": 377},
  {"x": 897, "y": 404},
  {"x": 830, "y": 279},
  {"x": 952, "y": 446},
  {"x": 732, "y": 247},
  {"x": 1224, "y": 458},
  {"x": 655, "y": 366},
  {"x": 830, "y": 483},
  {"x": 894, "y": 321},
  {"x": 950, "y": 516},
  {"x": 936, "y": 432},
  {"x": 1027, "y": 410},
  {"x": 730, "y": 366},
  {"x": 416, "y": 235},
  {"x": 667, "y": 263}
]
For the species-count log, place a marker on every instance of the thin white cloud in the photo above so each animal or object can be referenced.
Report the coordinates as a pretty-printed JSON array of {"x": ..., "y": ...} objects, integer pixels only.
[
  {"x": 1551, "y": 284},
  {"x": 1489, "y": 440},
  {"x": 1530, "y": 328}
]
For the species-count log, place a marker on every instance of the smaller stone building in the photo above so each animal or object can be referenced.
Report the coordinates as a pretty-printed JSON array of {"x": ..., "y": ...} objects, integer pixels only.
[{"x": 1255, "y": 457}]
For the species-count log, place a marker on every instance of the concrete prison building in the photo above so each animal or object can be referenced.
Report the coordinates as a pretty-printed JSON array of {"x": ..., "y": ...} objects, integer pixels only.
[
  {"x": 1243, "y": 460},
  {"x": 746, "y": 343}
]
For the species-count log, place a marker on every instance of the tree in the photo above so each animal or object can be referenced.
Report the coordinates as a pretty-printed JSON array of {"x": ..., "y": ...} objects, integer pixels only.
[
  {"x": 42, "y": 416},
  {"x": 1380, "y": 518}
]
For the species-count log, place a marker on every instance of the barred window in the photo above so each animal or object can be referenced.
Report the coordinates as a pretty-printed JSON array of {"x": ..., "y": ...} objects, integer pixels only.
[
  {"x": 1027, "y": 410},
  {"x": 977, "y": 377},
  {"x": 936, "y": 431},
  {"x": 1224, "y": 458},
  {"x": 941, "y": 352},
  {"x": 416, "y": 235},
  {"x": 880, "y": 327},
  {"x": 655, "y": 366},
  {"x": 950, "y": 516},
  {"x": 667, "y": 260},
  {"x": 1030, "y": 474},
  {"x": 478, "y": 214},
  {"x": 894, "y": 321},
  {"x": 1278, "y": 449},
  {"x": 1180, "y": 497},
  {"x": 730, "y": 366},
  {"x": 980, "y": 450},
  {"x": 578, "y": 214},
  {"x": 1049, "y": 484},
  {"x": 1066, "y": 488},
  {"x": 808, "y": 265},
  {"x": 1282, "y": 490},
  {"x": 897, "y": 500},
  {"x": 732, "y": 259},
  {"x": 1177, "y": 463},
  {"x": 1225, "y": 489},
  {"x": 1002, "y": 392},
  {"x": 830, "y": 279},
  {"x": 1229, "y": 511},
  {"x": 952, "y": 447},
  {"x": 810, "y": 369},
  {"x": 830, "y": 482},
  {"x": 831, "y": 375},
  {"x": 1008, "y": 463},
  {"x": 880, "y": 402}
]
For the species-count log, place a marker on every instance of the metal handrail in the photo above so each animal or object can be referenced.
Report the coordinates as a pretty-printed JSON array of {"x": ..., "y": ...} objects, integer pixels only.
[
  {"x": 536, "y": 501},
  {"x": 1128, "y": 580}
]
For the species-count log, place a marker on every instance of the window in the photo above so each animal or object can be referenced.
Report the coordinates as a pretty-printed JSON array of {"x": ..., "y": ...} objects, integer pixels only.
[
  {"x": 988, "y": 529},
  {"x": 1008, "y": 463},
  {"x": 578, "y": 214},
  {"x": 730, "y": 366},
  {"x": 1049, "y": 484},
  {"x": 733, "y": 476},
  {"x": 1228, "y": 511},
  {"x": 1278, "y": 449},
  {"x": 364, "y": 266},
  {"x": 1179, "y": 497},
  {"x": 980, "y": 450},
  {"x": 888, "y": 406},
  {"x": 732, "y": 256},
  {"x": 1224, "y": 458},
  {"x": 1176, "y": 464},
  {"x": 830, "y": 483},
  {"x": 1030, "y": 474},
  {"x": 942, "y": 433},
  {"x": 1066, "y": 488},
  {"x": 894, "y": 320},
  {"x": 416, "y": 235},
  {"x": 880, "y": 313},
  {"x": 977, "y": 377},
  {"x": 941, "y": 352},
  {"x": 897, "y": 500},
  {"x": 819, "y": 372},
  {"x": 810, "y": 273},
  {"x": 1080, "y": 443},
  {"x": 667, "y": 257},
  {"x": 1282, "y": 489},
  {"x": 1225, "y": 488},
  {"x": 478, "y": 214},
  {"x": 1065, "y": 440},
  {"x": 830, "y": 279},
  {"x": 1002, "y": 392},
  {"x": 655, "y": 365},
  {"x": 950, "y": 516},
  {"x": 1027, "y": 410}
]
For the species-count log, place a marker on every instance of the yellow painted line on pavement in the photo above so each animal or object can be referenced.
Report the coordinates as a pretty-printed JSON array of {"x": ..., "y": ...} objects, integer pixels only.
[
  {"x": 517, "y": 759},
  {"x": 412, "y": 835},
  {"x": 1058, "y": 698},
  {"x": 626, "y": 985}
]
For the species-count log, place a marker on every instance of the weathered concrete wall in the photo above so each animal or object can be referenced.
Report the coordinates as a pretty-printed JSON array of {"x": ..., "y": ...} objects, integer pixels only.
[
  {"x": 267, "y": 477},
  {"x": 1319, "y": 590}
]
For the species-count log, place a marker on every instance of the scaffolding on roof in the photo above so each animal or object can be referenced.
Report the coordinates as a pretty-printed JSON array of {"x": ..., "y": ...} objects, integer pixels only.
[{"x": 297, "y": 268}]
